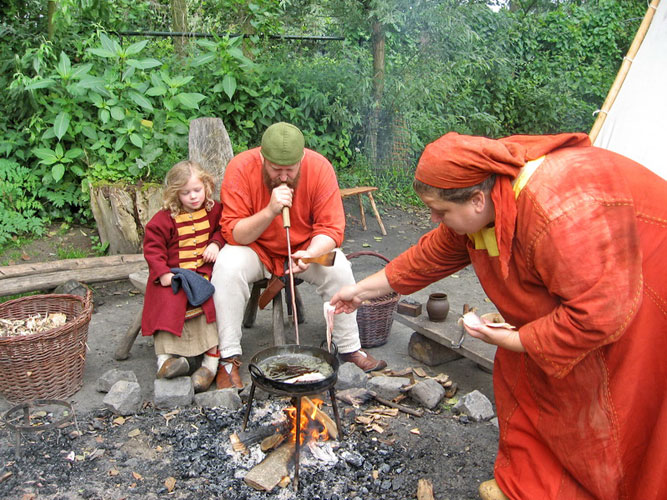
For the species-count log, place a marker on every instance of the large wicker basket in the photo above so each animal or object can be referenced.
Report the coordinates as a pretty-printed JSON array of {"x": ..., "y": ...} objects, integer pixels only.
[
  {"x": 376, "y": 316},
  {"x": 45, "y": 365}
]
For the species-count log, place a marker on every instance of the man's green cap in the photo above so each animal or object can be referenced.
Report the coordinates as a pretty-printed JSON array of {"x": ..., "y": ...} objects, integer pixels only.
[{"x": 282, "y": 144}]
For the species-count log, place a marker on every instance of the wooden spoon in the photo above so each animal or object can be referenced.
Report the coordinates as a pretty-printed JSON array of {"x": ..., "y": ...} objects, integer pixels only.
[{"x": 323, "y": 260}]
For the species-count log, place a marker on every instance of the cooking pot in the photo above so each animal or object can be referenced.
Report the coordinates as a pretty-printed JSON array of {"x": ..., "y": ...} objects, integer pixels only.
[{"x": 270, "y": 368}]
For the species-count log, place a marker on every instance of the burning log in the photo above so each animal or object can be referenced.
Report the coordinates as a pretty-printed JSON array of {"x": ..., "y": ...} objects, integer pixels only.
[
  {"x": 318, "y": 415},
  {"x": 242, "y": 439},
  {"x": 270, "y": 472},
  {"x": 272, "y": 441}
]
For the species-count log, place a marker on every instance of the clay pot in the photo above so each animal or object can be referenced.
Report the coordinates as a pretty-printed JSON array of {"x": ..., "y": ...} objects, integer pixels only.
[{"x": 437, "y": 306}]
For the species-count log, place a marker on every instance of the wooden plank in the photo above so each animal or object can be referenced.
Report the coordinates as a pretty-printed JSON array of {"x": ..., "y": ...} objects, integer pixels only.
[
  {"x": 47, "y": 281},
  {"x": 67, "y": 264},
  {"x": 448, "y": 333}
]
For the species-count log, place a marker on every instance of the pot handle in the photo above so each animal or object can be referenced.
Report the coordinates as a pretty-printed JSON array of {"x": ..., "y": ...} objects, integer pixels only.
[
  {"x": 255, "y": 371},
  {"x": 333, "y": 344}
]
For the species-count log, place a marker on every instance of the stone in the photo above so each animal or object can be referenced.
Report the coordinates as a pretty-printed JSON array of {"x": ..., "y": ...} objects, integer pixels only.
[
  {"x": 71, "y": 287},
  {"x": 429, "y": 352},
  {"x": 110, "y": 377},
  {"x": 350, "y": 376},
  {"x": 387, "y": 387},
  {"x": 175, "y": 392},
  {"x": 475, "y": 405},
  {"x": 222, "y": 398},
  {"x": 427, "y": 393},
  {"x": 124, "y": 398}
]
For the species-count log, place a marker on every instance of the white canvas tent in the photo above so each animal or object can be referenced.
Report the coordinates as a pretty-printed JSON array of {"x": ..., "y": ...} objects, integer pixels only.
[{"x": 633, "y": 118}]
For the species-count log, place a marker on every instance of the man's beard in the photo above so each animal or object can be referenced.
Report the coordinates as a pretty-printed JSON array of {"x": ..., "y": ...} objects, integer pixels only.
[{"x": 274, "y": 183}]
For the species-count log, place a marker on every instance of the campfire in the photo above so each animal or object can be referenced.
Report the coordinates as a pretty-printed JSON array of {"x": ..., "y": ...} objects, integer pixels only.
[{"x": 279, "y": 442}]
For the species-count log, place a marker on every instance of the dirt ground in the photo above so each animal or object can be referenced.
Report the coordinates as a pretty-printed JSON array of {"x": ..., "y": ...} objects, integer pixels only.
[{"x": 140, "y": 455}]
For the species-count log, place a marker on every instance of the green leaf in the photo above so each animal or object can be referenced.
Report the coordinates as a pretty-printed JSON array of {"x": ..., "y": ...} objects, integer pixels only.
[
  {"x": 203, "y": 59},
  {"x": 40, "y": 84},
  {"x": 104, "y": 115},
  {"x": 57, "y": 171},
  {"x": 111, "y": 45},
  {"x": 190, "y": 100},
  {"x": 44, "y": 153},
  {"x": 107, "y": 54},
  {"x": 143, "y": 63},
  {"x": 136, "y": 140},
  {"x": 135, "y": 48},
  {"x": 229, "y": 85},
  {"x": 207, "y": 44},
  {"x": 61, "y": 124},
  {"x": 81, "y": 69},
  {"x": 179, "y": 81},
  {"x": 64, "y": 66},
  {"x": 90, "y": 132},
  {"x": 140, "y": 100},
  {"x": 154, "y": 91},
  {"x": 117, "y": 113},
  {"x": 74, "y": 153},
  {"x": 120, "y": 142},
  {"x": 59, "y": 150}
]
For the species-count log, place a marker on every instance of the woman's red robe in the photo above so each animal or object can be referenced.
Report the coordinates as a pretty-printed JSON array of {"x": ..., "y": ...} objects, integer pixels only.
[{"x": 582, "y": 413}]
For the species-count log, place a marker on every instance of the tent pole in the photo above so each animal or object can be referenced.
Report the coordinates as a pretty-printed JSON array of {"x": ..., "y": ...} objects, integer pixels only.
[{"x": 623, "y": 71}]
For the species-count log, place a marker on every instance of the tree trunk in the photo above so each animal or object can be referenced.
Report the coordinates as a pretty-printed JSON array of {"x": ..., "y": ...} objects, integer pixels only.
[
  {"x": 210, "y": 146},
  {"x": 179, "y": 17},
  {"x": 51, "y": 10},
  {"x": 122, "y": 212},
  {"x": 378, "y": 40}
]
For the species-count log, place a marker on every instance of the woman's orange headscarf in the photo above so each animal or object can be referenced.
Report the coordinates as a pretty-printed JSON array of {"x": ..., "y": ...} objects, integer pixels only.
[{"x": 458, "y": 161}]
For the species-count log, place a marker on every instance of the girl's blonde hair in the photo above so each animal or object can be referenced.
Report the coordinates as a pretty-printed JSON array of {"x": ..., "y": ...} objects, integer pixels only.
[{"x": 177, "y": 177}]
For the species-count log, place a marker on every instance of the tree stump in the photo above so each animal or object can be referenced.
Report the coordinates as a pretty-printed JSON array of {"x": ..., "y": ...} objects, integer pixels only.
[
  {"x": 210, "y": 146},
  {"x": 121, "y": 213}
]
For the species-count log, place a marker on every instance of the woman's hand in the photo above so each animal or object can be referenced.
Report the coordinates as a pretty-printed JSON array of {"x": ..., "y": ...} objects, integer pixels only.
[
  {"x": 502, "y": 337},
  {"x": 165, "y": 279},
  {"x": 347, "y": 299}
]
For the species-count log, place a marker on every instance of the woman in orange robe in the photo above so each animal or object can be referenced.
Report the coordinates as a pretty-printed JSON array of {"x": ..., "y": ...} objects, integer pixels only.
[{"x": 569, "y": 242}]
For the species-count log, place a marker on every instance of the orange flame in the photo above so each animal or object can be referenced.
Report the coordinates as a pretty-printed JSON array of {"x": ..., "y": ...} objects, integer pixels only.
[{"x": 311, "y": 428}]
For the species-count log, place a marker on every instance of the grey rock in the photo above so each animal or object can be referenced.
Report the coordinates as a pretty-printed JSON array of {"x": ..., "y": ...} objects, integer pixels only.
[
  {"x": 124, "y": 398},
  {"x": 388, "y": 387},
  {"x": 223, "y": 398},
  {"x": 475, "y": 405},
  {"x": 427, "y": 393},
  {"x": 71, "y": 287},
  {"x": 171, "y": 393},
  {"x": 350, "y": 376},
  {"x": 106, "y": 381},
  {"x": 352, "y": 458}
]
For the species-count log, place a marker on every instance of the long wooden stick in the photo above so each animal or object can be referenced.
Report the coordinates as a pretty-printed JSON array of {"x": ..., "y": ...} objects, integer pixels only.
[{"x": 623, "y": 71}]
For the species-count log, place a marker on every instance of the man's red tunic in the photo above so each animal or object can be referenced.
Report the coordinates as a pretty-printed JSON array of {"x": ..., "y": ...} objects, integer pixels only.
[
  {"x": 582, "y": 413},
  {"x": 317, "y": 207}
]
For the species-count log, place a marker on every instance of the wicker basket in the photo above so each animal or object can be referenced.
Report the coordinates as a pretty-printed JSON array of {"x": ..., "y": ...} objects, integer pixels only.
[
  {"x": 375, "y": 317},
  {"x": 45, "y": 365}
]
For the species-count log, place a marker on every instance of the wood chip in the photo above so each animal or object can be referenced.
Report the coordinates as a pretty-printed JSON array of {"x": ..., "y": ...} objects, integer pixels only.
[
  {"x": 377, "y": 428},
  {"x": 31, "y": 325},
  {"x": 419, "y": 372},
  {"x": 415, "y": 431},
  {"x": 425, "y": 490},
  {"x": 134, "y": 433},
  {"x": 170, "y": 484}
]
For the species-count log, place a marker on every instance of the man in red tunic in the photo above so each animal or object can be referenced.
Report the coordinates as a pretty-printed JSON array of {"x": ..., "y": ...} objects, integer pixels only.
[
  {"x": 258, "y": 183},
  {"x": 569, "y": 242}
]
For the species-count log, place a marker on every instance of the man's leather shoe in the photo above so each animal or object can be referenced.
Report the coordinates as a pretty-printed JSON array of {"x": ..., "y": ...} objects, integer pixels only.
[
  {"x": 224, "y": 380},
  {"x": 489, "y": 490},
  {"x": 367, "y": 363},
  {"x": 174, "y": 367},
  {"x": 202, "y": 379}
]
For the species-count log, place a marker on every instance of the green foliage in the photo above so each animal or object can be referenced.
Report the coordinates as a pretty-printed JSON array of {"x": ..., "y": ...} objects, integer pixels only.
[{"x": 20, "y": 209}]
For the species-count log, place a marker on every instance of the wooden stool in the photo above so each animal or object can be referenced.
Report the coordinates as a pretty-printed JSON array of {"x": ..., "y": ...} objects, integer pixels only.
[{"x": 358, "y": 191}]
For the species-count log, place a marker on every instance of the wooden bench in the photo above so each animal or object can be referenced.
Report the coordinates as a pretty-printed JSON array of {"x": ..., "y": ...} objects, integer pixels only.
[{"x": 358, "y": 191}]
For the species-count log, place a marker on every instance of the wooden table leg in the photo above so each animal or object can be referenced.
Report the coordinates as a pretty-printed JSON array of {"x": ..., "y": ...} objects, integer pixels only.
[
  {"x": 361, "y": 209},
  {"x": 377, "y": 214}
]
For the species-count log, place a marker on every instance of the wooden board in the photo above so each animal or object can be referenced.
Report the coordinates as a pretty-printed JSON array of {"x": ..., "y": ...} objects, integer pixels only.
[{"x": 448, "y": 333}]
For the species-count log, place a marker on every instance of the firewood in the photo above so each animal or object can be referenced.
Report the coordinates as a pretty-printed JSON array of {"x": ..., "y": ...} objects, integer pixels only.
[
  {"x": 269, "y": 472},
  {"x": 242, "y": 439},
  {"x": 425, "y": 490},
  {"x": 324, "y": 419},
  {"x": 272, "y": 442}
]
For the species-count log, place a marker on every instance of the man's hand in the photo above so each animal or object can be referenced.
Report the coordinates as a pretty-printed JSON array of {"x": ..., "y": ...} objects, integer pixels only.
[
  {"x": 281, "y": 196},
  {"x": 165, "y": 279},
  {"x": 298, "y": 266}
]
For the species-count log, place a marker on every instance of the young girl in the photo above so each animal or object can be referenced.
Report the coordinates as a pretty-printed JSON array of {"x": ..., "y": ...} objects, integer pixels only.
[{"x": 184, "y": 234}]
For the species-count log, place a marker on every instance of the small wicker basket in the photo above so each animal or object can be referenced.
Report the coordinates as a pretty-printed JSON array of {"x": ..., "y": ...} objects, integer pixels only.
[
  {"x": 45, "y": 365},
  {"x": 376, "y": 316}
]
